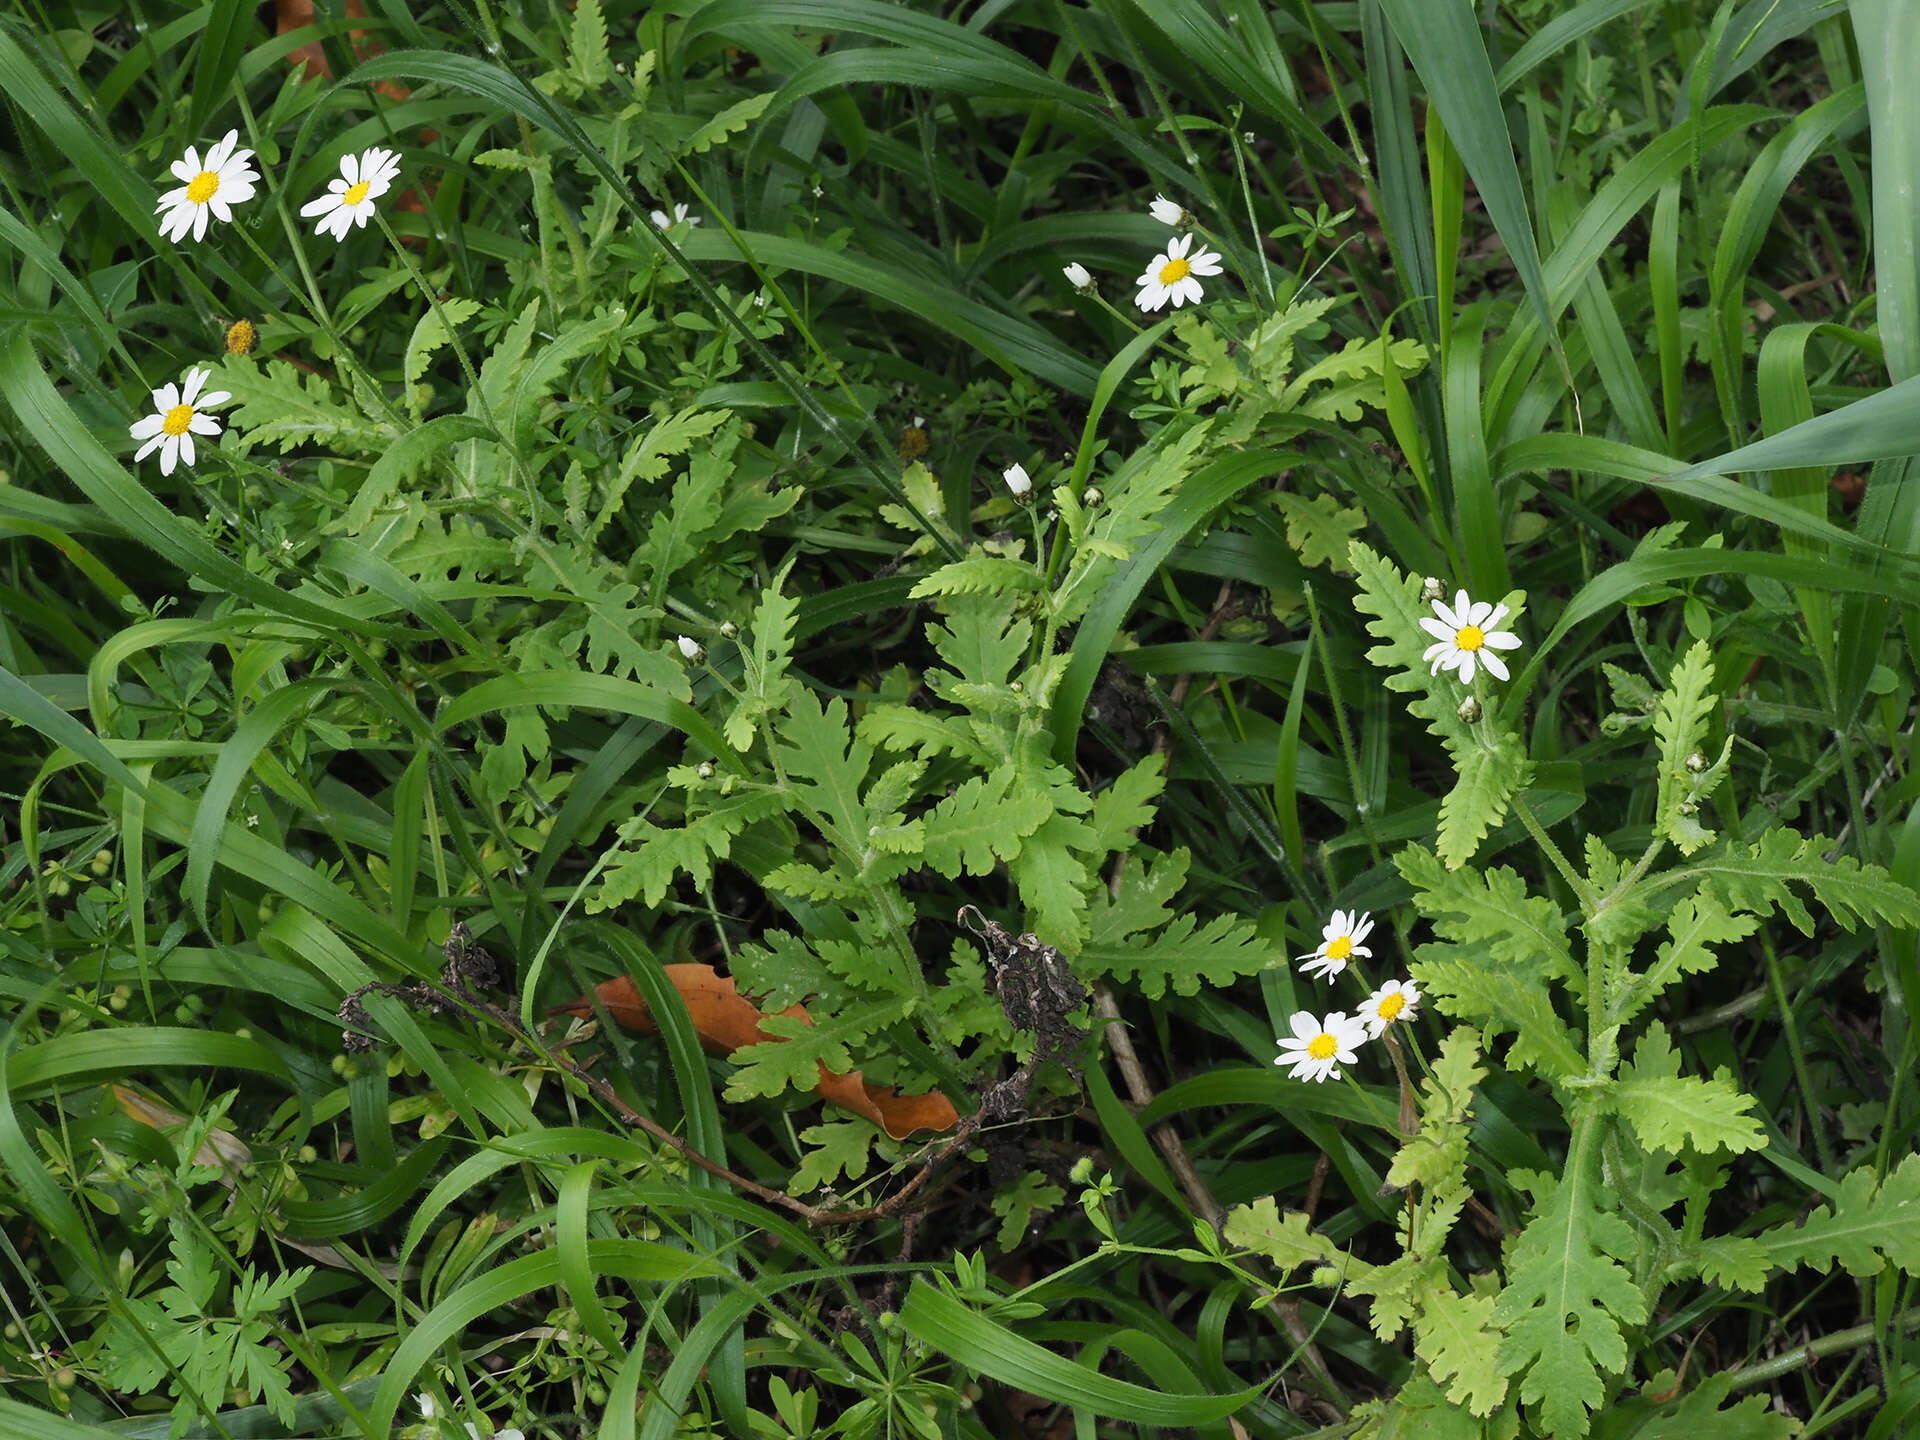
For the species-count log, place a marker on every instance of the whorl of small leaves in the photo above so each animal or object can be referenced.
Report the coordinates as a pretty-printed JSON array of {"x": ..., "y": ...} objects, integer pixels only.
[{"x": 1489, "y": 776}]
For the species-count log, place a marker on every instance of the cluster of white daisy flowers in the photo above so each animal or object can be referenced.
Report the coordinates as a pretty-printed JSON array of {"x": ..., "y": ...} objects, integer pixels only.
[
  {"x": 1319, "y": 1046},
  {"x": 1173, "y": 275},
  {"x": 212, "y": 185}
]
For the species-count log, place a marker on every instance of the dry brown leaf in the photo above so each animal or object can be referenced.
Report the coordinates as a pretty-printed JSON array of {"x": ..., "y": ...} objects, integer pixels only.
[{"x": 726, "y": 1020}]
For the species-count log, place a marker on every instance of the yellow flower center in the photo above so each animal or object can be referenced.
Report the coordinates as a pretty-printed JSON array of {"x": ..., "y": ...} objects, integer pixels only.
[
  {"x": 240, "y": 337},
  {"x": 178, "y": 418},
  {"x": 1392, "y": 1005},
  {"x": 356, "y": 193},
  {"x": 1469, "y": 637},
  {"x": 1341, "y": 948},
  {"x": 1323, "y": 1047},
  {"x": 200, "y": 189},
  {"x": 1174, "y": 270},
  {"x": 913, "y": 443}
]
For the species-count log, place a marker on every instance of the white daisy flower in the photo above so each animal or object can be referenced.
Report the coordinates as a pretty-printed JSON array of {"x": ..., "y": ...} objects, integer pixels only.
[
  {"x": 426, "y": 1406},
  {"x": 177, "y": 418},
  {"x": 1172, "y": 276},
  {"x": 223, "y": 180},
  {"x": 1167, "y": 212},
  {"x": 1466, "y": 636},
  {"x": 363, "y": 179},
  {"x": 690, "y": 648},
  {"x": 1320, "y": 1047},
  {"x": 1078, "y": 276},
  {"x": 667, "y": 222},
  {"x": 1395, "y": 1000},
  {"x": 1018, "y": 481},
  {"x": 1339, "y": 942}
]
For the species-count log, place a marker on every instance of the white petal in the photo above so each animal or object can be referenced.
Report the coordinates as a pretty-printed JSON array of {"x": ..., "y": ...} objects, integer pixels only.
[
  {"x": 1178, "y": 246},
  {"x": 217, "y": 156},
  {"x": 1205, "y": 263},
  {"x": 1466, "y": 666},
  {"x": 192, "y": 162},
  {"x": 186, "y": 447},
  {"x": 237, "y": 192},
  {"x": 1443, "y": 648},
  {"x": 1361, "y": 951},
  {"x": 1303, "y": 1024},
  {"x": 321, "y": 206},
  {"x": 203, "y": 424},
  {"x": 1362, "y": 922},
  {"x": 182, "y": 171},
  {"x": 166, "y": 397},
  {"x": 1436, "y": 629},
  {"x": 1498, "y": 614},
  {"x": 1495, "y": 665},
  {"x": 350, "y": 169},
  {"x": 146, "y": 425},
  {"x": 219, "y": 208},
  {"x": 1479, "y": 613},
  {"x": 196, "y": 377},
  {"x": 213, "y": 398},
  {"x": 148, "y": 448},
  {"x": 200, "y": 223},
  {"x": 169, "y": 454},
  {"x": 1503, "y": 640}
]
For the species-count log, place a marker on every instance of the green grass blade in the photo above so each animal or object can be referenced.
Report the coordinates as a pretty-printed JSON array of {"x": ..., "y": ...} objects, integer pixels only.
[
  {"x": 1444, "y": 43},
  {"x": 229, "y": 26}
]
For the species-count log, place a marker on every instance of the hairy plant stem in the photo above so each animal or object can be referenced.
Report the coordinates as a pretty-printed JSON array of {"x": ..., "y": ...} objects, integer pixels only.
[{"x": 1813, "y": 1350}]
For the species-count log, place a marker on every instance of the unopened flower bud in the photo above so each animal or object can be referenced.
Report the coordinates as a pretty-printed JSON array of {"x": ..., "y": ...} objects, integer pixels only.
[
  {"x": 1082, "y": 1171},
  {"x": 1078, "y": 276},
  {"x": 728, "y": 629},
  {"x": 690, "y": 649},
  {"x": 1470, "y": 710},
  {"x": 1431, "y": 589},
  {"x": 1091, "y": 496},
  {"x": 706, "y": 770},
  {"x": 1018, "y": 481},
  {"x": 1696, "y": 762}
]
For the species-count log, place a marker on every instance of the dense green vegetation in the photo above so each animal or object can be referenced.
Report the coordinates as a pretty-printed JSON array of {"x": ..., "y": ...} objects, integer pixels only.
[{"x": 579, "y": 529}]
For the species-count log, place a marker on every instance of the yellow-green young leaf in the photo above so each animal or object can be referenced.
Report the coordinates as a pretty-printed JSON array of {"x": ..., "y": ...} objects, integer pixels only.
[
  {"x": 1319, "y": 527},
  {"x": 1698, "y": 924},
  {"x": 980, "y": 574},
  {"x": 734, "y": 118},
  {"x": 1033, "y": 1194},
  {"x": 1053, "y": 881},
  {"x": 281, "y": 407},
  {"x": 1868, "y": 1225},
  {"x": 1489, "y": 777},
  {"x": 1565, "y": 1300},
  {"x": 1737, "y": 1262},
  {"x": 764, "y": 683},
  {"x": 1455, "y": 1336},
  {"x": 1126, "y": 807},
  {"x": 1669, "y": 1110},
  {"x": 1699, "y": 1417},
  {"x": 1461, "y": 984},
  {"x": 839, "y": 1147},
  {"x": 1758, "y": 878},
  {"x": 652, "y": 856},
  {"x": 1680, "y": 725},
  {"x": 1285, "y": 1241},
  {"x": 980, "y": 824},
  {"x": 431, "y": 333},
  {"x": 589, "y": 43},
  {"x": 1436, "y": 1156}
]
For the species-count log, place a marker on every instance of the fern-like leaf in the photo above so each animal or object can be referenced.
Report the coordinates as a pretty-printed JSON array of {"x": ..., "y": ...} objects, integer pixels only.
[
  {"x": 981, "y": 824},
  {"x": 1680, "y": 725},
  {"x": 764, "y": 683},
  {"x": 281, "y": 407},
  {"x": 1759, "y": 877},
  {"x": 1566, "y": 1298},
  {"x": 1455, "y": 1336},
  {"x": 1870, "y": 1223},
  {"x": 1669, "y": 1110}
]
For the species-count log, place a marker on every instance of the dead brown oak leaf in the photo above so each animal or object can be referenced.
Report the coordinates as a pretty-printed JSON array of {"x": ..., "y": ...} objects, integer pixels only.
[{"x": 726, "y": 1020}]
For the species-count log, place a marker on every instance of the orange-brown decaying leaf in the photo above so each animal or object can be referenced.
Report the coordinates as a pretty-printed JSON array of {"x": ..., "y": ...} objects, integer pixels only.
[{"x": 726, "y": 1020}]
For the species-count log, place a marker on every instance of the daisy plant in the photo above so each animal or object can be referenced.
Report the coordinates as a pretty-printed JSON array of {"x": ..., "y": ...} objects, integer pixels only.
[
  {"x": 348, "y": 202},
  {"x": 1395, "y": 1000},
  {"x": 178, "y": 416},
  {"x": 210, "y": 187},
  {"x": 1467, "y": 635}
]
